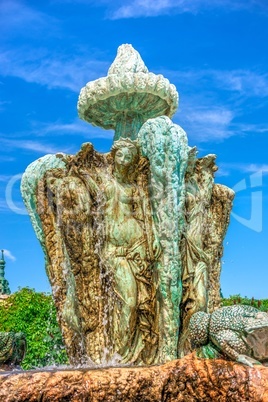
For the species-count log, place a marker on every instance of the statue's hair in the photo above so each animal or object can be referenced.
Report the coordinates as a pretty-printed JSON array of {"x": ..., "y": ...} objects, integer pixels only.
[{"x": 199, "y": 328}]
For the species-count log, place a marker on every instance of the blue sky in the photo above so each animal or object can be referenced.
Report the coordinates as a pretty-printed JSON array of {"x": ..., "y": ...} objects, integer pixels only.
[{"x": 215, "y": 52}]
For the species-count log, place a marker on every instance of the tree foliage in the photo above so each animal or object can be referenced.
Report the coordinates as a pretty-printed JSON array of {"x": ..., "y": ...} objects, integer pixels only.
[
  {"x": 34, "y": 314},
  {"x": 238, "y": 299}
]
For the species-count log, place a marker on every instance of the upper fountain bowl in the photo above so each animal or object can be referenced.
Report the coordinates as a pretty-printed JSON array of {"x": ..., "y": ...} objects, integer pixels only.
[{"x": 128, "y": 90}]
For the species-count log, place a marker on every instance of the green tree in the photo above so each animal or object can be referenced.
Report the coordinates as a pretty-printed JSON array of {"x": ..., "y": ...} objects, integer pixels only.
[
  {"x": 34, "y": 314},
  {"x": 261, "y": 304}
]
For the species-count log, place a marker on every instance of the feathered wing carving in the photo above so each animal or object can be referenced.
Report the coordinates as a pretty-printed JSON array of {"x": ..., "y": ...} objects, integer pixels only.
[
  {"x": 61, "y": 208},
  {"x": 165, "y": 145}
]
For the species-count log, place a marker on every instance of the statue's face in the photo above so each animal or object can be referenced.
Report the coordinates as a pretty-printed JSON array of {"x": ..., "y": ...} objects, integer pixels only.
[{"x": 123, "y": 157}]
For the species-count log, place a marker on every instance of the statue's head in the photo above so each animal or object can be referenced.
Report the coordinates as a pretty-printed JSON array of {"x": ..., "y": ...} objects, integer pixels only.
[
  {"x": 125, "y": 152},
  {"x": 199, "y": 329}
]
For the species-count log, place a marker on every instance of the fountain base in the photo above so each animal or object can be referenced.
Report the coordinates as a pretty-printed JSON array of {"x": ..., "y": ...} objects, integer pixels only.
[{"x": 187, "y": 379}]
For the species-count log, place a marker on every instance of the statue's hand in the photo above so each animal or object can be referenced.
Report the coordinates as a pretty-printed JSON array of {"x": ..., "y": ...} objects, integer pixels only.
[{"x": 156, "y": 247}]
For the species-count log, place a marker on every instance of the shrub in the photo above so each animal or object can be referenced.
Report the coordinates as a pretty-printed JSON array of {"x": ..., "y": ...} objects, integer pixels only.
[
  {"x": 261, "y": 304},
  {"x": 34, "y": 314}
]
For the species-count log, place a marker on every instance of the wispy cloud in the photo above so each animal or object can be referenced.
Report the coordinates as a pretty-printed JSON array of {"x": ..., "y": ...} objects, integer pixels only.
[
  {"x": 54, "y": 71},
  {"x": 3, "y": 105},
  {"x": 30, "y": 145},
  {"x": 4, "y": 178},
  {"x": 154, "y": 8},
  {"x": 9, "y": 255},
  {"x": 225, "y": 169},
  {"x": 255, "y": 167},
  {"x": 76, "y": 127},
  {"x": 6, "y": 158},
  {"x": 244, "y": 82},
  {"x": 147, "y": 8},
  {"x": 224, "y": 97},
  {"x": 3, "y": 205},
  {"x": 209, "y": 123},
  {"x": 252, "y": 128},
  {"x": 40, "y": 129},
  {"x": 36, "y": 64},
  {"x": 16, "y": 15}
]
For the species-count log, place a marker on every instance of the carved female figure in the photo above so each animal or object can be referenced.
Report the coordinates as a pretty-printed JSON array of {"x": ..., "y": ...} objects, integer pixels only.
[
  {"x": 128, "y": 249},
  {"x": 102, "y": 249},
  {"x": 195, "y": 260}
]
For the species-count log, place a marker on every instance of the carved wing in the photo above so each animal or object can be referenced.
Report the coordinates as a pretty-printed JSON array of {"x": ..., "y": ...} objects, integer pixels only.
[
  {"x": 165, "y": 145},
  {"x": 60, "y": 207},
  {"x": 30, "y": 179}
]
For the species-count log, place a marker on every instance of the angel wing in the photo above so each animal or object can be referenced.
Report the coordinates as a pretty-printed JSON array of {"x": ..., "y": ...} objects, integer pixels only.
[{"x": 60, "y": 207}]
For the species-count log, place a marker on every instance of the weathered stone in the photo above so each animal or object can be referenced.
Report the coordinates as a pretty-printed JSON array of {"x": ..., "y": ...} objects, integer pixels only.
[{"x": 187, "y": 380}]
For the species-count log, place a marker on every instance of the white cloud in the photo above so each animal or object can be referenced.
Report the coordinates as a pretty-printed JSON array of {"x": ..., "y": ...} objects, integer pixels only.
[
  {"x": 225, "y": 169},
  {"x": 211, "y": 117},
  {"x": 207, "y": 123},
  {"x": 145, "y": 8},
  {"x": 153, "y": 8},
  {"x": 243, "y": 82},
  {"x": 214, "y": 102},
  {"x": 256, "y": 167},
  {"x": 252, "y": 128},
  {"x": 210, "y": 123},
  {"x": 37, "y": 144},
  {"x": 54, "y": 71},
  {"x": 247, "y": 82},
  {"x": 40, "y": 129},
  {"x": 3, "y": 205},
  {"x": 9, "y": 255},
  {"x": 78, "y": 126},
  {"x": 15, "y": 16},
  {"x": 5, "y": 158},
  {"x": 4, "y": 178},
  {"x": 30, "y": 145},
  {"x": 2, "y": 105},
  {"x": 38, "y": 64}
]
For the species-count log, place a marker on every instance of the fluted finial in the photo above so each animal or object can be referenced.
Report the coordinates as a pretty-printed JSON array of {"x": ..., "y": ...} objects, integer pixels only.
[
  {"x": 127, "y": 60},
  {"x": 2, "y": 256},
  {"x": 127, "y": 97}
]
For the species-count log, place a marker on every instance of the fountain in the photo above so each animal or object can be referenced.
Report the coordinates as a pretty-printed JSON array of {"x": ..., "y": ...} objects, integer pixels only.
[{"x": 133, "y": 244}]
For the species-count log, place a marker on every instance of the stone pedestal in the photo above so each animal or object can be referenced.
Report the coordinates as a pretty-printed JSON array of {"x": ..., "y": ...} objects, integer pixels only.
[{"x": 187, "y": 379}]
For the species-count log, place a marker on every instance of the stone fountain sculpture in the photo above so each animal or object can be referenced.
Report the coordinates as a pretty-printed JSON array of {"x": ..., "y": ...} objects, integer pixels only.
[{"x": 132, "y": 238}]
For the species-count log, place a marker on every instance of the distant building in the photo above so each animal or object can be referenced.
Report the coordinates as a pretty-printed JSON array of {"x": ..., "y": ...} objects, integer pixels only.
[{"x": 4, "y": 285}]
